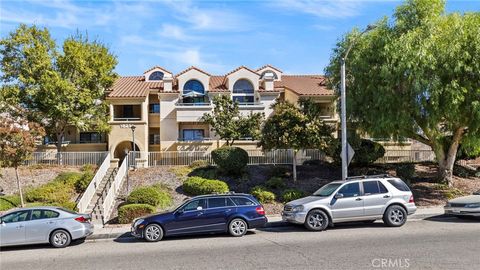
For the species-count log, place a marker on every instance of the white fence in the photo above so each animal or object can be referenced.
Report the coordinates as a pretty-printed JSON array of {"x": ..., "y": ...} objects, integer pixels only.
[
  {"x": 396, "y": 156},
  {"x": 109, "y": 201},
  {"x": 87, "y": 196},
  {"x": 66, "y": 158}
]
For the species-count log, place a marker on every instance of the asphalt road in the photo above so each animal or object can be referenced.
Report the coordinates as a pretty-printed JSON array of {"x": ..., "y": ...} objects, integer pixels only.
[{"x": 433, "y": 244}]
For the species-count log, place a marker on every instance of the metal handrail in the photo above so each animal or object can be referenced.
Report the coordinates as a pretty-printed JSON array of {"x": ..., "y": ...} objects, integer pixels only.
[{"x": 193, "y": 104}]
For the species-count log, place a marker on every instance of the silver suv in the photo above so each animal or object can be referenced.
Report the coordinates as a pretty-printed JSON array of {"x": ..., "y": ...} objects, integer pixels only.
[{"x": 364, "y": 198}]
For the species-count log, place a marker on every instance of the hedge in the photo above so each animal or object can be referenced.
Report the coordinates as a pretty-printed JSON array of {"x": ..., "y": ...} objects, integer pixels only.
[
  {"x": 199, "y": 186},
  {"x": 292, "y": 194},
  {"x": 230, "y": 160},
  {"x": 127, "y": 213},
  {"x": 262, "y": 195}
]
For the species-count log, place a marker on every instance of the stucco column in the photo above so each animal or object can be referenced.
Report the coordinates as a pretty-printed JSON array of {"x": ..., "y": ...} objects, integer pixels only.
[
  {"x": 145, "y": 110},
  {"x": 111, "y": 112}
]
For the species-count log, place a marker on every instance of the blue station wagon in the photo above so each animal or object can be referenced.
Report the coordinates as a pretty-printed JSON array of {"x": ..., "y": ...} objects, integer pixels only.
[{"x": 234, "y": 213}]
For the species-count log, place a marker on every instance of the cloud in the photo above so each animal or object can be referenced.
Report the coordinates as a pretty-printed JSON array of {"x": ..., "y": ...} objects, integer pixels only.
[
  {"x": 320, "y": 8},
  {"x": 174, "y": 31}
]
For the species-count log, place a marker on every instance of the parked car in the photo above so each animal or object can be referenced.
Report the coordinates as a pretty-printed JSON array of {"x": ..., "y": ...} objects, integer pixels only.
[
  {"x": 464, "y": 207},
  {"x": 233, "y": 213},
  {"x": 37, "y": 225},
  {"x": 365, "y": 198}
]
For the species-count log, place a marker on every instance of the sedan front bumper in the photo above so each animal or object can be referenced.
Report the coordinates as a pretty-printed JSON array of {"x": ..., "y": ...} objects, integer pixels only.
[{"x": 462, "y": 211}]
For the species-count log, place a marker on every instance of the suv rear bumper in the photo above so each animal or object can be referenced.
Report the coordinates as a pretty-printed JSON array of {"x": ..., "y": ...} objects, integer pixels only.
[
  {"x": 411, "y": 208},
  {"x": 294, "y": 217}
]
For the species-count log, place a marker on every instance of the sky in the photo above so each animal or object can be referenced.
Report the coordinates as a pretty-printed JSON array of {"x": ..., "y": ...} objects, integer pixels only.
[{"x": 296, "y": 36}]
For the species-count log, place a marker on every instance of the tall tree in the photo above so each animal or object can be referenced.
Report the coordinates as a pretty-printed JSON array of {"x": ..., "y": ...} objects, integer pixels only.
[
  {"x": 60, "y": 88},
  {"x": 416, "y": 76},
  {"x": 18, "y": 138},
  {"x": 292, "y": 127},
  {"x": 229, "y": 123}
]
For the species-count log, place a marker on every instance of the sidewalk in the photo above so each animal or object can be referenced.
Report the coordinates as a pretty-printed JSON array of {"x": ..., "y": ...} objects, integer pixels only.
[{"x": 123, "y": 231}]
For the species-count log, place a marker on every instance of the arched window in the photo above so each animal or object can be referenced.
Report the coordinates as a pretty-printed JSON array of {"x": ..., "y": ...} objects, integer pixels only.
[
  {"x": 156, "y": 76},
  {"x": 243, "y": 92},
  {"x": 195, "y": 86},
  {"x": 269, "y": 71}
]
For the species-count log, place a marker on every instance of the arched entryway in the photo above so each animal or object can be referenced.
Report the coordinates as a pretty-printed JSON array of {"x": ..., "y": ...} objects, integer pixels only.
[{"x": 122, "y": 150}]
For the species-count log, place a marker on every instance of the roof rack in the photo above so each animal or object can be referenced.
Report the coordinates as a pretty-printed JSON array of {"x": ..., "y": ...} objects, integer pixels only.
[{"x": 369, "y": 176}]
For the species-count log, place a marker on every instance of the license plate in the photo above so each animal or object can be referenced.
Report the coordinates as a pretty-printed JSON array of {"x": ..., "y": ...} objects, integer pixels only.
[{"x": 456, "y": 211}]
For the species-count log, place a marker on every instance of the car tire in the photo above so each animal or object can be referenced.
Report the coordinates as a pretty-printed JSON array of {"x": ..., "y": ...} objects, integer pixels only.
[
  {"x": 316, "y": 220},
  {"x": 60, "y": 238},
  {"x": 395, "y": 216},
  {"x": 237, "y": 227},
  {"x": 153, "y": 233}
]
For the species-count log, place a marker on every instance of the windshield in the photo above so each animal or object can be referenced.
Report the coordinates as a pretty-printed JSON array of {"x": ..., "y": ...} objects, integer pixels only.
[{"x": 327, "y": 190}]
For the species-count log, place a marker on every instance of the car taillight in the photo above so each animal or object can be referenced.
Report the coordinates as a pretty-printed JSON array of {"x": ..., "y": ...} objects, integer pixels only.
[
  {"x": 260, "y": 210},
  {"x": 81, "y": 219},
  {"x": 411, "y": 199}
]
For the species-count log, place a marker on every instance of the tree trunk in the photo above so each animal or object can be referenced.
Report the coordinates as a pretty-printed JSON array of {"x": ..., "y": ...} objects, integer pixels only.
[
  {"x": 446, "y": 159},
  {"x": 294, "y": 166},
  {"x": 59, "y": 148},
  {"x": 19, "y": 187}
]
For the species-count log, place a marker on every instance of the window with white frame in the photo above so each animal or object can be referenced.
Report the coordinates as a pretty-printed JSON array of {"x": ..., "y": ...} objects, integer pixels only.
[
  {"x": 243, "y": 92},
  {"x": 192, "y": 134}
]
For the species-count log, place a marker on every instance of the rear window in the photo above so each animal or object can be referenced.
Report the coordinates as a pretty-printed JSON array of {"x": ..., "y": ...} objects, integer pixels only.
[
  {"x": 219, "y": 202},
  {"x": 399, "y": 184},
  {"x": 373, "y": 187},
  {"x": 242, "y": 201}
]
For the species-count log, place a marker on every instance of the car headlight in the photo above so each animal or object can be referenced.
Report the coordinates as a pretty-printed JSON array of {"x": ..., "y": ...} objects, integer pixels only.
[
  {"x": 297, "y": 208},
  {"x": 137, "y": 222},
  {"x": 472, "y": 205}
]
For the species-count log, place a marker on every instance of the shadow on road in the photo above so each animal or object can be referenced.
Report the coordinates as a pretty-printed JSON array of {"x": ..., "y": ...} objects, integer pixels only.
[
  {"x": 39, "y": 246},
  {"x": 453, "y": 219},
  {"x": 126, "y": 238}
]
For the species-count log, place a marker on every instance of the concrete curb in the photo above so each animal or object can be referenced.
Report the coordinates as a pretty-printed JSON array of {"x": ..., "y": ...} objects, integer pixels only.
[{"x": 273, "y": 224}]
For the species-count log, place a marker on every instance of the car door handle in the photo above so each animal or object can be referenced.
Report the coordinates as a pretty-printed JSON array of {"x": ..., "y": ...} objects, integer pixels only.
[
  {"x": 20, "y": 226},
  {"x": 199, "y": 214},
  {"x": 358, "y": 199},
  {"x": 386, "y": 196},
  {"x": 228, "y": 210},
  {"x": 50, "y": 222}
]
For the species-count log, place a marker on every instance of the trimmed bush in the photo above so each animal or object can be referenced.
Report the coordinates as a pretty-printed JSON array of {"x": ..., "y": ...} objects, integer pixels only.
[
  {"x": 405, "y": 171},
  {"x": 209, "y": 172},
  {"x": 82, "y": 183},
  {"x": 144, "y": 195},
  {"x": 9, "y": 202},
  {"x": 366, "y": 151},
  {"x": 127, "y": 213},
  {"x": 292, "y": 194},
  {"x": 199, "y": 164},
  {"x": 230, "y": 160},
  {"x": 275, "y": 183},
  {"x": 262, "y": 195},
  {"x": 199, "y": 186}
]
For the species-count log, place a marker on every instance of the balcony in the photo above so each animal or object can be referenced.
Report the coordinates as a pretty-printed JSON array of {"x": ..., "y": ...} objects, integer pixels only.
[
  {"x": 127, "y": 113},
  {"x": 192, "y": 112}
]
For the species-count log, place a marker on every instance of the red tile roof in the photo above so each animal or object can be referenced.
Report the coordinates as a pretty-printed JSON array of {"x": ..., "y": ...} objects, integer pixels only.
[
  {"x": 154, "y": 67},
  {"x": 269, "y": 66},
  {"x": 192, "y": 67},
  {"x": 240, "y": 67},
  {"x": 303, "y": 85}
]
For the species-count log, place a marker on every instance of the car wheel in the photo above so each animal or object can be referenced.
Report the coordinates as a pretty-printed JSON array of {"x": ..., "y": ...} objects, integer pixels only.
[
  {"x": 237, "y": 227},
  {"x": 153, "y": 233},
  {"x": 60, "y": 239},
  {"x": 395, "y": 216},
  {"x": 316, "y": 220}
]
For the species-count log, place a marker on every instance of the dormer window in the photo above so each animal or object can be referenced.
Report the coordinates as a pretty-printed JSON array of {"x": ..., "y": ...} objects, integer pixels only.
[
  {"x": 243, "y": 92},
  {"x": 275, "y": 77},
  {"x": 156, "y": 76}
]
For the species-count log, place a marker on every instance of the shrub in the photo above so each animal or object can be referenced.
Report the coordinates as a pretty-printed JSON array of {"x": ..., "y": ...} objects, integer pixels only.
[
  {"x": 209, "y": 172},
  {"x": 230, "y": 160},
  {"x": 127, "y": 213},
  {"x": 145, "y": 195},
  {"x": 59, "y": 190},
  {"x": 275, "y": 183},
  {"x": 280, "y": 171},
  {"x": 198, "y": 186},
  {"x": 262, "y": 195},
  {"x": 199, "y": 164},
  {"x": 88, "y": 168},
  {"x": 405, "y": 171},
  {"x": 82, "y": 183},
  {"x": 292, "y": 194},
  {"x": 9, "y": 202}
]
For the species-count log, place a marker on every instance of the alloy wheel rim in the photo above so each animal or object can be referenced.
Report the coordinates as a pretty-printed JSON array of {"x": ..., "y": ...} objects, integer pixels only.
[
  {"x": 152, "y": 233},
  {"x": 396, "y": 216},
  {"x": 60, "y": 238},
  {"x": 316, "y": 220},
  {"x": 238, "y": 227}
]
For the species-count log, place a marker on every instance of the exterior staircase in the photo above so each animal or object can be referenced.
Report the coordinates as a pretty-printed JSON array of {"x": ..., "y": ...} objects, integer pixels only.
[{"x": 95, "y": 208}]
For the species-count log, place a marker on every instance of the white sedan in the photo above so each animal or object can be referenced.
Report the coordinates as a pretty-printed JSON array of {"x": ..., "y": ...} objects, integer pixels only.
[{"x": 468, "y": 206}]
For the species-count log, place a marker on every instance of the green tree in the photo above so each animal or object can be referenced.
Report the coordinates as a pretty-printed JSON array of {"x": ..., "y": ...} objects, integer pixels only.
[
  {"x": 229, "y": 123},
  {"x": 60, "y": 88},
  {"x": 416, "y": 76},
  {"x": 292, "y": 127},
  {"x": 17, "y": 139}
]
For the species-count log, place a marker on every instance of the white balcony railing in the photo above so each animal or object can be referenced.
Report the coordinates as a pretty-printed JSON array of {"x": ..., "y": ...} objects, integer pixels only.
[{"x": 127, "y": 118}]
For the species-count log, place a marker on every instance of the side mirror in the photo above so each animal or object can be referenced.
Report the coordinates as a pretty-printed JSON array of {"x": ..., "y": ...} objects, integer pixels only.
[
  {"x": 199, "y": 208},
  {"x": 338, "y": 196}
]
